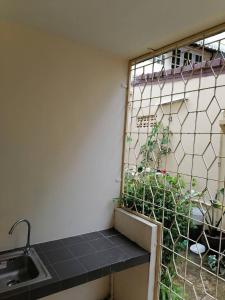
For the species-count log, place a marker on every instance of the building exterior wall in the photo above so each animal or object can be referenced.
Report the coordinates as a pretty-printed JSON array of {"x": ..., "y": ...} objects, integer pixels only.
[{"x": 174, "y": 103}]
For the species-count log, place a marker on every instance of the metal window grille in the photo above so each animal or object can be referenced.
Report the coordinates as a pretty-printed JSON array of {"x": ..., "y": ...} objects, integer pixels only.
[{"x": 174, "y": 163}]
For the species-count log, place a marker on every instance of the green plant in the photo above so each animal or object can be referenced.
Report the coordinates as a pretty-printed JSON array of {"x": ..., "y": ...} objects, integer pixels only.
[
  {"x": 156, "y": 146},
  {"x": 164, "y": 198},
  {"x": 214, "y": 264},
  {"x": 169, "y": 289},
  {"x": 212, "y": 222},
  {"x": 172, "y": 293}
]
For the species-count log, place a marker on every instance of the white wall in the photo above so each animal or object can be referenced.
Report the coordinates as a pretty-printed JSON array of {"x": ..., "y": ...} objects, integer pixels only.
[
  {"x": 94, "y": 290},
  {"x": 61, "y": 120}
]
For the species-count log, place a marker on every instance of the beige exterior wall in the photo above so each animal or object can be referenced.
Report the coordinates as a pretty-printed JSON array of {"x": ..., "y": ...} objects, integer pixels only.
[{"x": 182, "y": 127}]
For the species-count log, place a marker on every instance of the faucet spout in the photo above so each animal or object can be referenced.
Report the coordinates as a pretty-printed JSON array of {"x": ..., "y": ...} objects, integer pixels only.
[{"x": 27, "y": 247}]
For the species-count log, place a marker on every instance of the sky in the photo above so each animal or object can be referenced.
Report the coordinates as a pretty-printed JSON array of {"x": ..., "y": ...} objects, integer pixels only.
[{"x": 213, "y": 41}]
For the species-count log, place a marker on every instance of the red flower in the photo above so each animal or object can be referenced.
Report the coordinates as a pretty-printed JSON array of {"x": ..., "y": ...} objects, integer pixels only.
[{"x": 163, "y": 171}]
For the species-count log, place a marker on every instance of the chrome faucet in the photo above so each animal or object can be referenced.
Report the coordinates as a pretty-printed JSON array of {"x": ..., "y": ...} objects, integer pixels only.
[{"x": 27, "y": 247}]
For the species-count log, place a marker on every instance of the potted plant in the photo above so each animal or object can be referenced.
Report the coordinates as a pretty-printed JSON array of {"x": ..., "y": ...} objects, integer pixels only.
[
  {"x": 214, "y": 238},
  {"x": 197, "y": 221}
]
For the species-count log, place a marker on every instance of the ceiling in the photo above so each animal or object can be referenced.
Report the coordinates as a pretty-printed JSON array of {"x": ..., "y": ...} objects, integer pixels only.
[{"x": 127, "y": 28}]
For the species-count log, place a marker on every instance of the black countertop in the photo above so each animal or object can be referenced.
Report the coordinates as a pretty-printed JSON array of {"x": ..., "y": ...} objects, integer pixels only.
[{"x": 79, "y": 259}]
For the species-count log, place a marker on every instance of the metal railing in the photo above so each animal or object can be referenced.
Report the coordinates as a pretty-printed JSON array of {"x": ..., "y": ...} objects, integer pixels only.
[{"x": 174, "y": 170}]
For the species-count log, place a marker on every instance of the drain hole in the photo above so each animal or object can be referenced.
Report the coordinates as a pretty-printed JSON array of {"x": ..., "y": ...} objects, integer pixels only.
[{"x": 12, "y": 282}]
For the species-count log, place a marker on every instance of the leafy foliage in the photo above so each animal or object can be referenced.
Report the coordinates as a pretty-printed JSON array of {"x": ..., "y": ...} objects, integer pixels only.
[
  {"x": 214, "y": 264},
  {"x": 166, "y": 199},
  {"x": 157, "y": 145},
  {"x": 169, "y": 290},
  {"x": 211, "y": 220},
  {"x": 162, "y": 197}
]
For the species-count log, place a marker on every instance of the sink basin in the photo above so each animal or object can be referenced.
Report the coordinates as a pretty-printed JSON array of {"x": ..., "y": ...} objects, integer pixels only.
[{"x": 18, "y": 269}]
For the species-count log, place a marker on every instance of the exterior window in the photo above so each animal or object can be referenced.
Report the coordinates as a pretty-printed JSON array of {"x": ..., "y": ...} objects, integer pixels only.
[
  {"x": 198, "y": 58},
  {"x": 187, "y": 58},
  {"x": 176, "y": 58},
  {"x": 159, "y": 59},
  {"x": 180, "y": 58}
]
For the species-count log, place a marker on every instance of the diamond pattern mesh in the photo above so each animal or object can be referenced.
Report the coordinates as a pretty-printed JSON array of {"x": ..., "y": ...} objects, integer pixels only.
[{"x": 174, "y": 168}]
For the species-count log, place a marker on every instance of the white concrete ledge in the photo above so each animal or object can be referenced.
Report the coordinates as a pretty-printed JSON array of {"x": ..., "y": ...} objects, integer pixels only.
[{"x": 139, "y": 282}]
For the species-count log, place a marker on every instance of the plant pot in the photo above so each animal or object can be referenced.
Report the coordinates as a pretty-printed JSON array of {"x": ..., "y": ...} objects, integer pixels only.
[
  {"x": 195, "y": 233},
  {"x": 214, "y": 241}
]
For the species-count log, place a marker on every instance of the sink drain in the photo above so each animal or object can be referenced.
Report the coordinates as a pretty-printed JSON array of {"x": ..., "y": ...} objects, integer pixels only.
[{"x": 12, "y": 282}]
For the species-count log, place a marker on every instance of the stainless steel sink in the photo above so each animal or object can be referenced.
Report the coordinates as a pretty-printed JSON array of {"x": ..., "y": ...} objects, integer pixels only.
[{"x": 18, "y": 269}]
